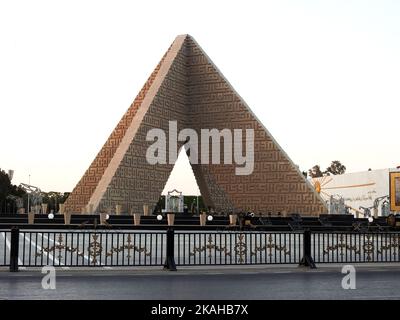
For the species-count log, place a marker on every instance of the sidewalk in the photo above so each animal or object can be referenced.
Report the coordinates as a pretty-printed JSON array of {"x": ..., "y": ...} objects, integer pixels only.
[{"x": 203, "y": 270}]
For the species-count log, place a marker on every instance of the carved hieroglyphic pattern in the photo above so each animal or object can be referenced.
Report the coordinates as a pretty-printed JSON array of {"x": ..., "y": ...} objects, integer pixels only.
[
  {"x": 275, "y": 184},
  {"x": 136, "y": 182},
  {"x": 80, "y": 195},
  {"x": 197, "y": 96}
]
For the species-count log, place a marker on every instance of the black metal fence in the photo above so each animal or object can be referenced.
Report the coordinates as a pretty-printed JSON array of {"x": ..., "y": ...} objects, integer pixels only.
[
  {"x": 85, "y": 248},
  {"x": 232, "y": 248},
  {"x": 109, "y": 248},
  {"x": 341, "y": 247}
]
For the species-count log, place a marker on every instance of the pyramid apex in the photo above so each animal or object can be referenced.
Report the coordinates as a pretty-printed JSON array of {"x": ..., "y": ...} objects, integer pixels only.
[{"x": 184, "y": 36}]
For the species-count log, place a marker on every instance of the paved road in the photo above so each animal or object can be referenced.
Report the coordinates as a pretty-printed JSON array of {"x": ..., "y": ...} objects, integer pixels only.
[{"x": 275, "y": 283}]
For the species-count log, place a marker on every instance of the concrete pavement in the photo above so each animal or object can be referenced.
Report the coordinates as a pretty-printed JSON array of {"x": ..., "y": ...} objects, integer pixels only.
[{"x": 276, "y": 282}]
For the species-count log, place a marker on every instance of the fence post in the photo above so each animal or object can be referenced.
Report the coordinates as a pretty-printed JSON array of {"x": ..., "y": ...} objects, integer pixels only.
[
  {"x": 170, "y": 259},
  {"x": 307, "y": 259},
  {"x": 14, "y": 249}
]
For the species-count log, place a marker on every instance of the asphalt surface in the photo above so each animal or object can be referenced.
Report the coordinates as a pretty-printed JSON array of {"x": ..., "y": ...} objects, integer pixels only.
[{"x": 372, "y": 282}]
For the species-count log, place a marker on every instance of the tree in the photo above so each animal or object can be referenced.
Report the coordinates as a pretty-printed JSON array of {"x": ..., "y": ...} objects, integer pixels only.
[
  {"x": 8, "y": 192},
  {"x": 5, "y": 185},
  {"x": 315, "y": 172},
  {"x": 53, "y": 199},
  {"x": 335, "y": 168}
]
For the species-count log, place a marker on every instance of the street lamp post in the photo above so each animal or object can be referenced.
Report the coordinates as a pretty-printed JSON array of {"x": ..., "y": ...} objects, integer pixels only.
[{"x": 28, "y": 193}]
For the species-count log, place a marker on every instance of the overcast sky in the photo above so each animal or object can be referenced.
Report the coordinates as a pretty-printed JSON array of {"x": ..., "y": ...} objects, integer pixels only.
[{"x": 322, "y": 76}]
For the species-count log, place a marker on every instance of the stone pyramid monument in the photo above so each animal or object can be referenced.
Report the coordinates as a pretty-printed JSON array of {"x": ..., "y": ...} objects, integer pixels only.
[{"x": 187, "y": 87}]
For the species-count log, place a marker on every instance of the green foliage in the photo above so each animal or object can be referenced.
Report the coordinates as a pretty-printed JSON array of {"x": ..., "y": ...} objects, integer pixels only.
[
  {"x": 315, "y": 172},
  {"x": 5, "y": 185},
  {"x": 53, "y": 199},
  {"x": 191, "y": 202},
  {"x": 7, "y": 190},
  {"x": 335, "y": 168}
]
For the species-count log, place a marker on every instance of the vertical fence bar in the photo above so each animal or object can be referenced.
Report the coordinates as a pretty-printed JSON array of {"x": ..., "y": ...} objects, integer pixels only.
[
  {"x": 23, "y": 247},
  {"x": 156, "y": 256},
  {"x": 151, "y": 248},
  {"x": 14, "y": 249},
  {"x": 307, "y": 259},
  {"x": 106, "y": 251},
  {"x": 205, "y": 246},
  {"x": 390, "y": 247},
  {"x": 122, "y": 245},
  {"x": 77, "y": 247},
  {"x": 296, "y": 242},
  {"x": 179, "y": 247},
  {"x": 215, "y": 251},
  {"x": 54, "y": 246},
  {"x": 182, "y": 255},
  {"x": 170, "y": 259},
  {"x": 84, "y": 234},
  {"x": 140, "y": 245},
  {"x": 36, "y": 242},
  {"x": 162, "y": 248},
  {"x": 30, "y": 249}
]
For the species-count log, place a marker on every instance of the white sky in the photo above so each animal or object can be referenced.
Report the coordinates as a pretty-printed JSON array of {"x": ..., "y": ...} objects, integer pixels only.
[{"x": 323, "y": 77}]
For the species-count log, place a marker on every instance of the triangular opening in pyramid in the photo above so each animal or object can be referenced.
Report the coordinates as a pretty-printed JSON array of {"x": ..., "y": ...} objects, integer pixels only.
[{"x": 182, "y": 177}]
